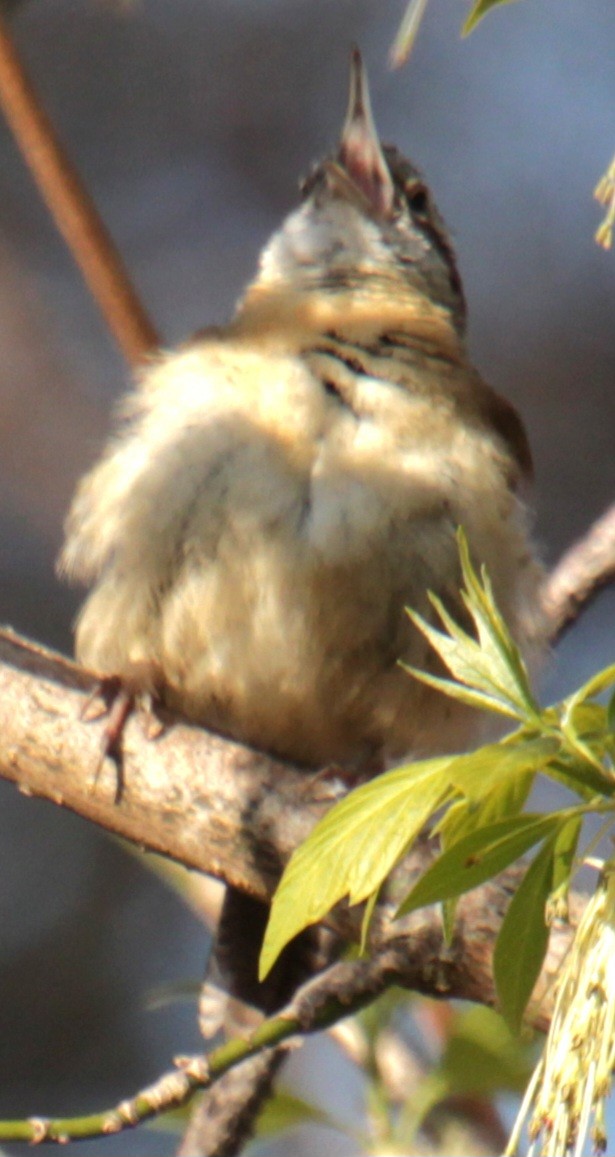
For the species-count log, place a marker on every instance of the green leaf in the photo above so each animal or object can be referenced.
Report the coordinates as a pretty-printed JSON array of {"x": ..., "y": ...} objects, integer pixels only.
[
  {"x": 564, "y": 853},
  {"x": 459, "y": 691},
  {"x": 522, "y": 942},
  {"x": 580, "y": 777},
  {"x": 589, "y": 721},
  {"x": 585, "y": 723},
  {"x": 490, "y": 668},
  {"x": 594, "y": 686},
  {"x": 586, "y": 753},
  {"x": 495, "y": 781},
  {"x": 478, "y": 10},
  {"x": 478, "y": 772},
  {"x": 468, "y": 661},
  {"x": 494, "y": 637},
  {"x": 479, "y": 856},
  {"x": 354, "y": 847},
  {"x": 565, "y": 850},
  {"x": 503, "y": 801}
]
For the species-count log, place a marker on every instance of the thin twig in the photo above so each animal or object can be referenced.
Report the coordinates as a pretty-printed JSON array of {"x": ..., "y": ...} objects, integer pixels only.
[
  {"x": 333, "y": 995},
  {"x": 72, "y": 208},
  {"x": 584, "y": 570},
  {"x": 343, "y": 989}
]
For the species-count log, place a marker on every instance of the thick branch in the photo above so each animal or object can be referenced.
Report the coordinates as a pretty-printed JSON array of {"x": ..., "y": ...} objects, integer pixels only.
[
  {"x": 203, "y": 800},
  {"x": 223, "y": 808}
]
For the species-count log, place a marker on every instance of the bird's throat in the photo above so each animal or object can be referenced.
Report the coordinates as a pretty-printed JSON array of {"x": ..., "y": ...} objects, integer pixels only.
[{"x": 280, "y": 316}]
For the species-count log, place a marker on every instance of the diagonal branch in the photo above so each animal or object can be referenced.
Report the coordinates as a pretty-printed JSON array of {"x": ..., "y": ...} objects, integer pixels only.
[
  {"x": 223, "y": 808},
  {"x": 187, "y": 793},
  {"x": 72, "y": 208},
  {"x": 583, "y": 571}
]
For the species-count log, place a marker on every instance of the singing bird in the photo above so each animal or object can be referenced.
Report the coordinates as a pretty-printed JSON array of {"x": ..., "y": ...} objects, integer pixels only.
[{"x": 281, "y": 488}]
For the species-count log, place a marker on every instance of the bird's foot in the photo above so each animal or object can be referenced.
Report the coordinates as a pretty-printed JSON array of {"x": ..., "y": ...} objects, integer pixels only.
[{"x": 118, "y": 701}]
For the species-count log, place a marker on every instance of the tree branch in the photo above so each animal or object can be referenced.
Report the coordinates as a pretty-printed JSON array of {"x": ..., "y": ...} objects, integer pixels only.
[
  {"x": 72, "y": 208},
  {"x": 187, "y": 794},
  {"x": 341, "y": 990},
  {"x": 582, "y": 572},
  {"x": 223, "y": 808}
]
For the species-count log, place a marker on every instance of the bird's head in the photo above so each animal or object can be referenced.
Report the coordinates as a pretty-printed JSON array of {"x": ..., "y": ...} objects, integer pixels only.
[{"x": 366, "y": 221}]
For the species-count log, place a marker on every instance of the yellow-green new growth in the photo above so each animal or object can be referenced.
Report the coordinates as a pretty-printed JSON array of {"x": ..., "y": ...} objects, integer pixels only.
[
  {"x": 565, "y": 1101},
  {"x": 488, "y": 671}
]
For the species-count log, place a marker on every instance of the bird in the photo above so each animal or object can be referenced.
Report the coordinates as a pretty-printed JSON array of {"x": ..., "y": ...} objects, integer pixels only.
[{"x": 281, "y": 488}]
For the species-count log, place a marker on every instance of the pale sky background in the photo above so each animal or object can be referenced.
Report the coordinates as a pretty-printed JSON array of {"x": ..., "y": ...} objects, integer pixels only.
[{"x": 191, "y": 122}]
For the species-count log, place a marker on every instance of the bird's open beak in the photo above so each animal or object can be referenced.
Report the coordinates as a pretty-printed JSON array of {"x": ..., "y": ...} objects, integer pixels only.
[{"x": 360, "y": 167}]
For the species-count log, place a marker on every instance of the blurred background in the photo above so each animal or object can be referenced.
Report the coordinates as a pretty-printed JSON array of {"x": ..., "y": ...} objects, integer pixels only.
[{"x": 191, "y": 122}]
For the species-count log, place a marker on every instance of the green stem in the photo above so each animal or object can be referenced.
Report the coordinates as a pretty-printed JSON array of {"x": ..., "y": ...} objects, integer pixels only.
[{"x": 176, "y": 1087}]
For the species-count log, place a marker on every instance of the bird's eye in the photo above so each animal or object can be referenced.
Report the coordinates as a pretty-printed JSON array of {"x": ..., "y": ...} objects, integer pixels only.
[{"x": 418, "y": 200}]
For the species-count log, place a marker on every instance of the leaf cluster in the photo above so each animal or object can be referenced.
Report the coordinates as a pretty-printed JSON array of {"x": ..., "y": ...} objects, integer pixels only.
[{"x": 475, "y": 803}]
